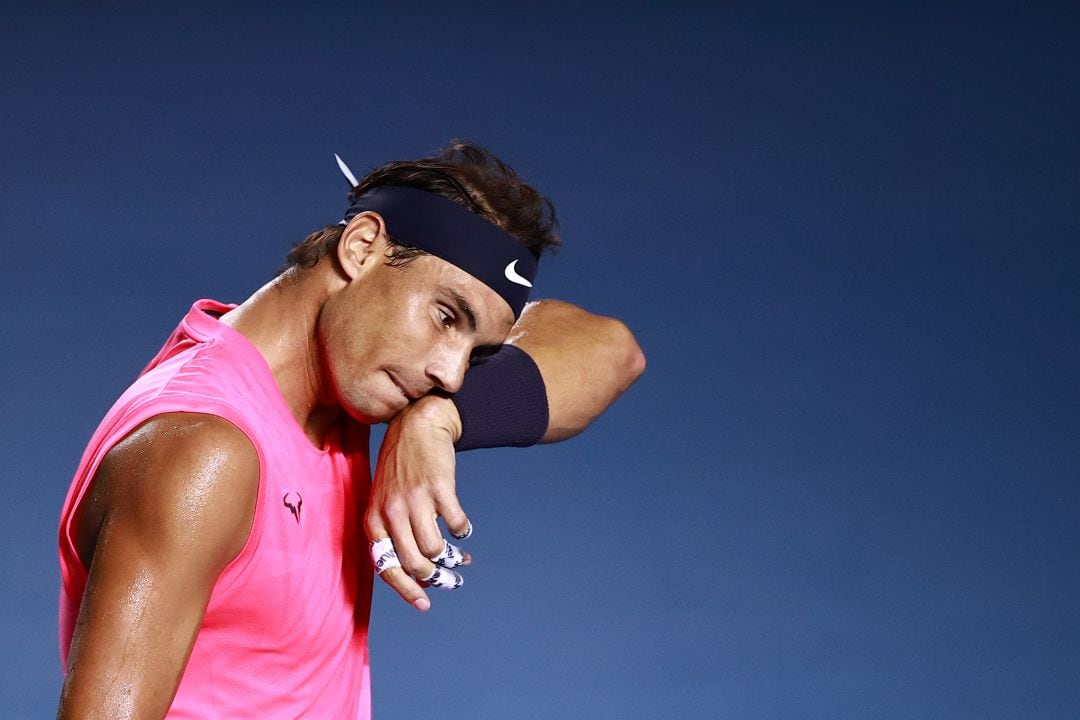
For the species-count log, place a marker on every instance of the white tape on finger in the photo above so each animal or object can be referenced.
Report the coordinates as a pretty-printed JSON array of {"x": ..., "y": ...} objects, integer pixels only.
[
  {"x": 450, "y": 557},
  {"x": 464, "y": 535},
  {"x": 444, "y": 579},
  {"x": 383, "y": 555}
]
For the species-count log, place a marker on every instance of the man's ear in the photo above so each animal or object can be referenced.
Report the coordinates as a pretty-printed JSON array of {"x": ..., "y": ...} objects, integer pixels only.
[{"x": 362, "y": 243}]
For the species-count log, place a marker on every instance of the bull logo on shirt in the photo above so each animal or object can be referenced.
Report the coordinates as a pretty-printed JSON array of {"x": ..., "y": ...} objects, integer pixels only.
[{"x": 294, "y": 502}]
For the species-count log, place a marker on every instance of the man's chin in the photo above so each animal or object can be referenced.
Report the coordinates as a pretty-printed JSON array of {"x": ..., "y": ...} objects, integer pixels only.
[{"x": 373, "y": 415}]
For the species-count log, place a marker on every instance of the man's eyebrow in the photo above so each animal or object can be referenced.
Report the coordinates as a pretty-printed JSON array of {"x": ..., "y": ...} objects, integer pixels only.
[{"x": 464, "y": 309}]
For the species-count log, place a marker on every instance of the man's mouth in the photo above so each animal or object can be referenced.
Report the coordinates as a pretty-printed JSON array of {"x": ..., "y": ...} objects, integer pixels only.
[{"x": 401, "y": 388}]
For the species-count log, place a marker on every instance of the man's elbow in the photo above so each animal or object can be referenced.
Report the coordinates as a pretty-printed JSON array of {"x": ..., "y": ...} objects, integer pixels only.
[{"x": 630, "y": 359}]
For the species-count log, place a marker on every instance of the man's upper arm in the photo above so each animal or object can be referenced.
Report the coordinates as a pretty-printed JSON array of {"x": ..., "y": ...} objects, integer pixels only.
[{"x": 178, "y": 498}]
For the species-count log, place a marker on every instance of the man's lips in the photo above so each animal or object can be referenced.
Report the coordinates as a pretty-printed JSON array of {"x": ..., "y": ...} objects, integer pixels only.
[{"x": 409, "y": 394}]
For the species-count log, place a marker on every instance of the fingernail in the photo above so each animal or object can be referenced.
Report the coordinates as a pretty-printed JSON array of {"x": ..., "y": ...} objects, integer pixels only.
[
  {"x": 466, "y": 559},
  {"x": 422, "y": 604}
]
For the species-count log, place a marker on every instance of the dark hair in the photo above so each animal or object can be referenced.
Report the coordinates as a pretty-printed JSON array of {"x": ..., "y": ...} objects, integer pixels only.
[{"x": 466, "y": 174}]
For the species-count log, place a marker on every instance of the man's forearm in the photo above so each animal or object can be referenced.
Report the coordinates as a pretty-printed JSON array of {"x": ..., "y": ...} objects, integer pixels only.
[{"x": 575, "y": 365}]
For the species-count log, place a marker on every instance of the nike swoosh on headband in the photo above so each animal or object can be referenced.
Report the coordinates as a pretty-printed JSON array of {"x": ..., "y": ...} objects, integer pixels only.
[
  {"x": 345, "y": 170},
  {"x": 441, "y": 227},
  {"x": 512, "y": 275}
]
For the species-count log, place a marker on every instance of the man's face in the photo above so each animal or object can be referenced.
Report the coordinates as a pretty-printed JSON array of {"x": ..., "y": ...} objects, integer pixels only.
[{"x": 392, "y": 334}]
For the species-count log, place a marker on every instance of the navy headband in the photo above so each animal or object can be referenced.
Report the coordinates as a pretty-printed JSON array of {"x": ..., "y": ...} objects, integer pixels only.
[{"x": 443, "y": 228}]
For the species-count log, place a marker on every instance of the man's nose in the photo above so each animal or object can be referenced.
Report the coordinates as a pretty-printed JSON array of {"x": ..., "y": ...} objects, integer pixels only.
[{"x": 447, "y": 368}]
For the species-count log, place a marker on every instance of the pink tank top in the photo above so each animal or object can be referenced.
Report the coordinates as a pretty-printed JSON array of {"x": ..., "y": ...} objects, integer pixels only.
[{"x": 285, "y": 632}]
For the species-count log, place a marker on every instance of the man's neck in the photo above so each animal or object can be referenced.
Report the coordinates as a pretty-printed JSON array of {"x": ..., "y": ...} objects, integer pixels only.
[{"x": 280, "y": 321}]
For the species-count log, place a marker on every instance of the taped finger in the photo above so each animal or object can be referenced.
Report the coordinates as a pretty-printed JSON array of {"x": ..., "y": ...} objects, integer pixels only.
[
  {"x": 450, "y": 557},
  {"x": 383, "y": 555},
  {"x": 465, "y": 533},
  {"x": 442, "y": 578}
]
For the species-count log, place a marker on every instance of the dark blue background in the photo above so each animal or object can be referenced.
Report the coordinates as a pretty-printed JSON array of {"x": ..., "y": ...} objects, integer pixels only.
[{"x": 847, "y": 237}]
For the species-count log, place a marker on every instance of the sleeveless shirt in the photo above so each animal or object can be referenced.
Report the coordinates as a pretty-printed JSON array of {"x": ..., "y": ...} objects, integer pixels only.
[{"x": 285, "y": 630}]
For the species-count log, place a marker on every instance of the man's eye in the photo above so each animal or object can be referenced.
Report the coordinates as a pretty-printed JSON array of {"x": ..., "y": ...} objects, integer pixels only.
[{"x": 446, "y": 318}]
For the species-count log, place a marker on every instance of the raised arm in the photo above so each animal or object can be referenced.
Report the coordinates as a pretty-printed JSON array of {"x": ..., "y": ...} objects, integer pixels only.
[
  {"x": 176, "y": 501},
  {"x": 586, "y": 360}
]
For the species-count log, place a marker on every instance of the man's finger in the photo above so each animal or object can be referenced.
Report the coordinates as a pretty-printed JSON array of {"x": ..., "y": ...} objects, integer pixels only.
[
  {"x": 383, "y": 555},
  {"x": 442, "y": 578},
  {"x": 451, "y": 556},
  {"x": 413, "y": 561},
  {"x": 392, "y": 573},
  {"x": 460, "y": 532},
  {"x": 457, "y": 522},
  {"x": 407, "y": 588},
  {"x": 429, "y": 539}
]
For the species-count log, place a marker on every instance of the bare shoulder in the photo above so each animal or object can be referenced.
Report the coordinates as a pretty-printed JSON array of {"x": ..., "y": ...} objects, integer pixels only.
[
  {"x": 179, "y": 480},
  {"x": 170, "y": 506}
]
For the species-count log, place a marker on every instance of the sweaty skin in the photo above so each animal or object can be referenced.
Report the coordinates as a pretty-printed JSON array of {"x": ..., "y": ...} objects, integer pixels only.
[
  {"x": 586, "y": 361},
  {"x": 352, "y": 335},
  {"x": 171, "y": 506}
]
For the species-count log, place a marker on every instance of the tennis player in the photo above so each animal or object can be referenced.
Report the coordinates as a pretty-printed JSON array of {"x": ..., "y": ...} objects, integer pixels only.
[{"x": 220, "y": 536}]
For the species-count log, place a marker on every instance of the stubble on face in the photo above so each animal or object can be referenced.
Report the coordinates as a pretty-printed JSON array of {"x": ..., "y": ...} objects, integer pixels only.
[{"x": 379, "y": 335}]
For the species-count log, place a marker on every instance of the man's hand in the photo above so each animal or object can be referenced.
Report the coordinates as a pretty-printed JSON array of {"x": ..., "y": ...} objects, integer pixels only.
[{"x": 414, "y": 484}]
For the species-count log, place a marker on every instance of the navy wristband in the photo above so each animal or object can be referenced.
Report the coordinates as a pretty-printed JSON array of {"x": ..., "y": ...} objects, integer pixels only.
[{"x": 503, "y": 402}]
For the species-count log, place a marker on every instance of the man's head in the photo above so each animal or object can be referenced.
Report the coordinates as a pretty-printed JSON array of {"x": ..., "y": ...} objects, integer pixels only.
[
  {"x": 467, "y": 175},
  {"x": 400, "y": 322}
]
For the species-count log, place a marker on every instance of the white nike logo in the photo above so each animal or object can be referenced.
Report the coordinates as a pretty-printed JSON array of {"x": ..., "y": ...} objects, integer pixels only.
[
  {"x": 512, "y": 275},
  {"x": 345, "y": 170}
]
